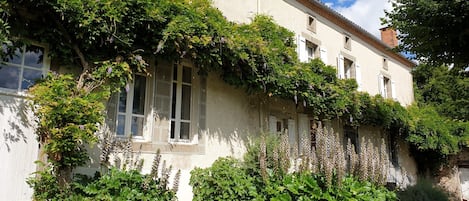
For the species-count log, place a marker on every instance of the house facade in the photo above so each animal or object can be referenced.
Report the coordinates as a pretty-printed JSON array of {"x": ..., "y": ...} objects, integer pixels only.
[{"x": 196, "y": 119}]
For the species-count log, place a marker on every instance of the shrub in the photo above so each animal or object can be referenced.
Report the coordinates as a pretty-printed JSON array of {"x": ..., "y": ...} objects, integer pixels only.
[
  {"x": 224, "y": 180},
  {"x": 422, "y": 191}
]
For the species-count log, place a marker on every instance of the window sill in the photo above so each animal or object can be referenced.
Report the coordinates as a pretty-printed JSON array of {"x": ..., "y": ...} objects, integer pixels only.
[
  {"x": 182, "y": 142},
  {"x": 14, "y": 93}
]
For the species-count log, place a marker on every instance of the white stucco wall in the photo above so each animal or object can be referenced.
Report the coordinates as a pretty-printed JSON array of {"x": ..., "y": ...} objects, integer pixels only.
[
  {"x": 18, "y": 148},
  {"x": 293, "y": 16}
]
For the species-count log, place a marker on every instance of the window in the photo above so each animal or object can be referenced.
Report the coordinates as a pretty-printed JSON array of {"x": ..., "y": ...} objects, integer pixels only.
[
  {"x": 393, "y": 146},
  {"x": 352, "y": 134},
  {"x": 131, "y": 108},
  {"x": 347, "y": 43},
  {"x": 386, "y": 87},
  {"x": 311, "y": 23},
  {"x": 22, "y": 67},
  {"x": 349, "y": 69},
  {"x": 281, "y": 124},
  {"x": 312, "y": 130},
  {"x": 385, "y": 64},
  {"x": 311, "y": 50},
  {"x": 181, "y": 103}
]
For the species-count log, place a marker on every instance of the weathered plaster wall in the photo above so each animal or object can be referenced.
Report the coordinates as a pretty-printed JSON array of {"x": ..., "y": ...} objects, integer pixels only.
[{"x": 18, "y": 148}]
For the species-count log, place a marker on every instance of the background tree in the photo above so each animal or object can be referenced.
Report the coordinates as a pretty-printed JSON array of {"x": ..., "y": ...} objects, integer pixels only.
[{"x": 437, "y": 30}]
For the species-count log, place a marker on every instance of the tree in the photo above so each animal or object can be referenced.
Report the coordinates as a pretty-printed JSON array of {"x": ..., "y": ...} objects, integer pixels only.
[{"x": 437, "y": 30}]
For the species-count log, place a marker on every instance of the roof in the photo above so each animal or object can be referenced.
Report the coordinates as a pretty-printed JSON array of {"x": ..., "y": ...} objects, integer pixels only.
[{"x": 355, "y": 30}]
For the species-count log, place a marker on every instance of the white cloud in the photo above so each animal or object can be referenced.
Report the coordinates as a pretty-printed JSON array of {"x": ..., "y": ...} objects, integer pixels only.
[{"x": 366, "y": 13}]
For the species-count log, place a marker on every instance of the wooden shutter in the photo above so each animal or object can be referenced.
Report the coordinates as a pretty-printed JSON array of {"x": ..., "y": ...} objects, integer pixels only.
[
  {"x": 162, "y": 100},
  {"x": 302, "y": 52},
  {"x": 292, "y": 133},
  {"x": 112, "y": 111},
  {"x": 340, "y": 67},
  {"x": 393, "y": 90},
  {"x": 358, "y": 76},
  {"x": 381, "y": 85},
  {"x": 272, "y": 124},
  {"x": 323, "y": 54}
]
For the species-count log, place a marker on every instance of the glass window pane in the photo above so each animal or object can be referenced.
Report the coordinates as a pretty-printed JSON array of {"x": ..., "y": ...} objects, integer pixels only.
[
  {"x": 9, "y": 77},
  {"x": 137, "y": 126},
  {"x": 122, "y": 100},
  {"x": 187, "y": 74},
  {"x": 139, "y": 95},
  {"x": 175, "y": 72},
  {"x": 15, "y": 56},
  {"x": 186, "y": 103},
  {"x": 185, "y": 127},
  {"x": 33, "y": 57},
  {"x": 29, "y": 77},
  {"x": 173, "y": 102},
  {"x": 120, "y": 125},
  {"x": 172, "y": 129}
]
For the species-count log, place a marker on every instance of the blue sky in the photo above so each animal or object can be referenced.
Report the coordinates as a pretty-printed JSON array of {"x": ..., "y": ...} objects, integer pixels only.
[{"x": 365, "y": 13}]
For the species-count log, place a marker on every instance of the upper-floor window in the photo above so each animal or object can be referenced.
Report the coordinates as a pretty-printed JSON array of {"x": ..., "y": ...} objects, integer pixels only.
[
  {"x": 311, "y": 23},
  {"x": 387, "y": 87},
  {"x": 22, "y": 67},
  {"x": 131, "y": 108},
  {"x": 385, "y": 63},
  {"x": 312, "y": 50},
  {"x": 349, "y": 69},
  {"x": 347, "y": 42}
]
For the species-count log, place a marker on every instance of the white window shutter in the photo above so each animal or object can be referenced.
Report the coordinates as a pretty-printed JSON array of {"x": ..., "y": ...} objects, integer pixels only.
[
  {"x": 393, "y": 90},
  {"x": 303, "y": 125},
  {"x": 381, "y": 85},
  {"x": 340, "y": 67},
  {"x": 292, "y": 133},
  {"x": 272, "y": 124},
  {"x": 302, "y": 52},
  {"x": 323, "y": 54},
  {"x": 358, "y": 76}
]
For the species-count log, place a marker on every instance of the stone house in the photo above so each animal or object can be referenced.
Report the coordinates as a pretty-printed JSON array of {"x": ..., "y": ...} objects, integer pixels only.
[{"x": 194, "y": 120}]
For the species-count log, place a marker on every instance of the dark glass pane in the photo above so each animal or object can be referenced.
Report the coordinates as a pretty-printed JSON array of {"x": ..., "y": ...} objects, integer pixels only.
[
  {"x": 186, "y": 103},
  {"x": 120, "y": 125},
  {"x": 175, "y": 72},
  {"x": 29, "y": 77},
  {"x": 34, "y": 56},
  {"x": 185, "y": 130},
  {"x": 137, "y": 126},
  {"x": 186, "y": 74},
  {"x": 173, "y": 102},
  {"x": 172, "y": 129},
  {"x": 12, "y": 57},
  {"x": 139, "y": 95},
  {"x": 9, "y": 77},
  {"x": 122, "y": 100}
]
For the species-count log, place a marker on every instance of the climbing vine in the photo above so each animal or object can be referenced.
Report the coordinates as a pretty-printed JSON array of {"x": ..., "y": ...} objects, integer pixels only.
[{"x": 109, "y": 40}]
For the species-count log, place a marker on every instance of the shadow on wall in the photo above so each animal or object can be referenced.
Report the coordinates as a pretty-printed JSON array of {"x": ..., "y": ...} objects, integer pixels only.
[{"x": 14, "y": 121}]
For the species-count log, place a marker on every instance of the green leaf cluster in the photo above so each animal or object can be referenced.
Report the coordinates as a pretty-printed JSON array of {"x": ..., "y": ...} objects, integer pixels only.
[
  {"x": 67, "y": 118},
  {"x": 229, "y": 179},
  {"x": 114, "y": 185}
]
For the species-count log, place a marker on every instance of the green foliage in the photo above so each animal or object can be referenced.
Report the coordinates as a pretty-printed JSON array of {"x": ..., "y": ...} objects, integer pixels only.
[
  {"x": 228, "y": 180},
  {"x": 46, "y": 186},
  {"x": 224, "y": 180},
  {"x": 443, "y": 88},
  {"x": 122, "y": 185},
  {"x": 431, "y": 131},
  {"x": 422, "y": 191},
  {"x": 114, "y": 185},
  {"x": 67, "y": 118},
  {"x": 424, "y": 26}
]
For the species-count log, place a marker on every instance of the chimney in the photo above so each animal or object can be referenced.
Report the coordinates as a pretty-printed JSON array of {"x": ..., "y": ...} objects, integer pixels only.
[{"x": 389, "y": 36}]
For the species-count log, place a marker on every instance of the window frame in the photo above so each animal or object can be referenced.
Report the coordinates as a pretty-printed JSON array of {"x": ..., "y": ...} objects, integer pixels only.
[
  {"x": 44, "y": 69},
  {"x": 347, "y": 42},
  {"x": 177, "y": 118},
  {"x": 311, "y": 22},
  {"x": 128, "y": 114}
]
